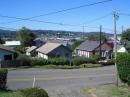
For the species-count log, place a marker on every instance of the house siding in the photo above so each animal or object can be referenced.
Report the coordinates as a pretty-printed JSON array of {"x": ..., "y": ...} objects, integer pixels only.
[
  {"x": 61, "y": 51},
  {"x": 3, "y": 53},
  {"x": 83, "y": 53},
  {"x": 42, "y": 55}
]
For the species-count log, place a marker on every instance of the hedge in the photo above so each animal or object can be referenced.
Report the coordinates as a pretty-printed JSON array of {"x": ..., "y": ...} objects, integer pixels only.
[
  {"x": 59, "y": 61},
  {"x": 82, "y": 60},
  {"x": 123, "y": 66},
  {"x": 29, "y": 61},
  {"x": 38, "y": 61},
  {"x": 3, "y": 78},
  {"x": 26, "y": 60},
  {"x": 34, "y": 92}
]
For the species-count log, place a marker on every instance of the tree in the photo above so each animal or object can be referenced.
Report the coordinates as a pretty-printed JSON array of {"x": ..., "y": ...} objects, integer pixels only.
[
  {"x": 75, "y": 44},
  {"x": 96, "y": 37},
  {"x": 1, "y": 41},
  {"x": 125, "y": 39},
  {"x": 126, "y": 35},
  {"x": 26, "y": 37}
]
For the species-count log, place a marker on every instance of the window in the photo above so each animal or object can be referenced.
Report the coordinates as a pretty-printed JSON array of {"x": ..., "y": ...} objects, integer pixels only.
[{"x": 7, "y": 57}]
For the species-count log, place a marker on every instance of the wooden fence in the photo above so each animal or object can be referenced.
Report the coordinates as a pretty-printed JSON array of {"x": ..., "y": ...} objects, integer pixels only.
[{"x": 12, "y": 63}]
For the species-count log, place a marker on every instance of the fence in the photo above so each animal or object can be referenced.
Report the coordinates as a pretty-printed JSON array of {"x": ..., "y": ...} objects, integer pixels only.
[{"x": 10, "y": 63}]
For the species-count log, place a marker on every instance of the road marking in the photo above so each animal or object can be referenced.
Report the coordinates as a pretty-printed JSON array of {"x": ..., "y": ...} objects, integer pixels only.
[{"x": 57, "y": 78}]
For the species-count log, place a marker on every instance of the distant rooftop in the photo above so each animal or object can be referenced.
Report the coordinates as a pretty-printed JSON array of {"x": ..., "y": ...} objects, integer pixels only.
[{"x": 10, "y": 43}]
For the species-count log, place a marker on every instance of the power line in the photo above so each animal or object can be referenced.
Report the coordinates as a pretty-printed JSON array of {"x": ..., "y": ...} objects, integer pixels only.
[
  {"x": 73, "y": 8},
  {"x": 64, "y": 10},
  {"x": 55, "y": 23},
  {"x": 32, "y": 20},
  {"x": 125, "y": 14},
  {"x": 99, "y": 18},
  {"x": 61, "y": 24}
]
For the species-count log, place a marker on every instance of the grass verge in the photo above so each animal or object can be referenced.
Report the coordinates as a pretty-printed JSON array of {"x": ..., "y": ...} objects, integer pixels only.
[
  {"x": 68, "y": 67},
  {"x": 108, "y": 91},
  {"x": 10, "y": 94}
]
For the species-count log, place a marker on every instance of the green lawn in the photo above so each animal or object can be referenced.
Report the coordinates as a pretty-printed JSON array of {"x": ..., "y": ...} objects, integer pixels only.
[
  {"x": 9, "y": 94},
  {"x": 108, "y": 91}
]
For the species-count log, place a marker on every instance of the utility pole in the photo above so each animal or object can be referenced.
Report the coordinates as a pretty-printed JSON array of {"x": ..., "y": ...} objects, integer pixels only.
[
  {"x": 83, "y": 33},
  {"x": 100, "y": 41},
  {"x": 122, "y": 29},
  {"x": 115, "y": 45}
]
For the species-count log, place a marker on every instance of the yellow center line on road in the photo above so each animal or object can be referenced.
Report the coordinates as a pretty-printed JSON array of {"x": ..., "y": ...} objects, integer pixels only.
[{"x": 58, "y": 78}]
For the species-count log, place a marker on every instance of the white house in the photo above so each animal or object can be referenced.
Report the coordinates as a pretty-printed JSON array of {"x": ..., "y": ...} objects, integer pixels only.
[
  {"x": 53, "y": 50},
  {"x": 121, "y": 48},
  {"x": 92, "y": 48}
]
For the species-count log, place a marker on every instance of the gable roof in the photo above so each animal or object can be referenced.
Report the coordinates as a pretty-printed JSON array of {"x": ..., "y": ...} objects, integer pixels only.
[
  {"x": 31, "y": 49},
  {"x": 88, "y": 45},
  {"x": 6, "y": 48},
  {"x": 92, "y": 45},
  {"x": 48, "y": 47}
]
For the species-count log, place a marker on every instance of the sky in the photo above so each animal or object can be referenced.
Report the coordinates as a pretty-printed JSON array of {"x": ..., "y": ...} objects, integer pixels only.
[{"x": 83, "y": 16}]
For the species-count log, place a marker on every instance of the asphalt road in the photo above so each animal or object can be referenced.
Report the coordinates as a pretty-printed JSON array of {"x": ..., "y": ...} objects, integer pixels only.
[{"x": 58, "y": 81}]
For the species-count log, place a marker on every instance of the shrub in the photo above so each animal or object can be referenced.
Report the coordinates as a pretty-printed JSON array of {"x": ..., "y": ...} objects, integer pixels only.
[
  {"x": 24, "y": 59},
  {"x": 38, "y": 62},
  {"x": 34, "y": 92},
  {"x": 3, "y": 78},
  {"x": 82, "y": 60},
  {"x": 123, "y": 66},
  {"x": 59, "y": 61}
]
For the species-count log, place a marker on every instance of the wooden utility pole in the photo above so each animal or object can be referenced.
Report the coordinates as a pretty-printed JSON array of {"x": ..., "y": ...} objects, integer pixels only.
[
  {"x": 100, "y": 41},
  {"x": 83, "y": 33},
  {"x": 122, "y": 29},
  {"x": 115, "y": 46}
]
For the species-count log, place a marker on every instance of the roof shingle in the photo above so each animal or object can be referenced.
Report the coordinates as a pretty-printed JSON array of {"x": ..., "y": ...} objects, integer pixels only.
[{"x": 48, "y": 47}]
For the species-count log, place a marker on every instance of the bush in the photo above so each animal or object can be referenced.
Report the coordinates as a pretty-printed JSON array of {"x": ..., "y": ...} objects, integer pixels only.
[
  {"x": 123, "y": 66},
  {"x": 24, "y": 59},
  {"x": 59, "y": 61},
  {"x": 34, "y": 92},
  {"x": 3, "y": 78},
  {"x": 82, "y": 60},
  {"x": 38, "y": 62}
]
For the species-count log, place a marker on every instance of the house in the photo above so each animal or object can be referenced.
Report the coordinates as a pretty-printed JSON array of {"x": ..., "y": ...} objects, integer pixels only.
[
  {"x": 64, "y": 42},
  {"x": 53, "y": 50},
  {"x": 92, "y": 48},
  {"x": 121, "y": 48},
  {"x": 12, "y": 44},
  {"x": 31, "y": 51},
  {"x": 6, "y": 53}
]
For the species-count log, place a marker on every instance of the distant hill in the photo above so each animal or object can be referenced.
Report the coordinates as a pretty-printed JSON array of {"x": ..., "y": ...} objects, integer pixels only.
[{"x": 49, "y": 33}]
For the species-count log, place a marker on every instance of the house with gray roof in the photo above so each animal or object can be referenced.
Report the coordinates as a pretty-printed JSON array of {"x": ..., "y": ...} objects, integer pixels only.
[
  {"x": 53, "y": 50},
  {"x": 92, "y": 48}
]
